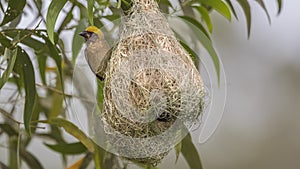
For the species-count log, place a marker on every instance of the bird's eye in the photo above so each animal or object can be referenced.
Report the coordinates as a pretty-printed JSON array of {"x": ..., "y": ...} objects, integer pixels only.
[
  {"x": 86, "y": 34},
  {"x": 89, "y": 34}
]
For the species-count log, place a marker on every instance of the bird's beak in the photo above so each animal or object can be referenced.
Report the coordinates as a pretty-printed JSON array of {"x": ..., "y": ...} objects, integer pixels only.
[{"x": 85, "y": 34}]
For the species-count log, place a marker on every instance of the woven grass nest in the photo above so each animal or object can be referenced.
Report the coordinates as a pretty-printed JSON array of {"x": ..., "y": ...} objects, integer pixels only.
[{"x": 152, "y": 87}]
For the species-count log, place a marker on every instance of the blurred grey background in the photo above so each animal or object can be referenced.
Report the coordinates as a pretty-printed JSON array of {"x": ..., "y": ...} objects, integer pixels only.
[{"x": 260, "y": 128}]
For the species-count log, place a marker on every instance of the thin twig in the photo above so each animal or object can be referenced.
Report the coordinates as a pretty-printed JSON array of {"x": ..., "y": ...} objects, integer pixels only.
[
  {"x": 14, "y": 73},
  {"x": 7, "y": 115},
  {"x": 63, "y": 93},
  {"x": 54, "y": 89},
  {"x": 32, "y": 31}
]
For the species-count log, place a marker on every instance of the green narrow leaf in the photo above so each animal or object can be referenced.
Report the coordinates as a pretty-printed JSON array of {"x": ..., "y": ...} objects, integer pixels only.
[
  {"x": 57, "y": 101},
  {"x": 192, "y": 53},
  {"x": 14, "y": 9},
  {"x": 30, "y": 159},
  {"x": 14, "y": 23},
  {"x": 56, "y": 134},
  {"x": 262, "y": 4},
  {"x": 42, "y": 67},
  {"x": 8, "y": 129},
  {"x": 2, "y": 50},
  {"x": 53, "y": 53},
  {"x": 86, "y": 161},
  {"x": 78, "y": 40},
  {"x": 97, "y": 158},
  {"x": 71, "y": 148},
  {"x": 126, "y": 5},
  {"x": 279, "y": 2},
  {"x": 3, "y": 166},
  {"x": 90, "y": 11},
  {"x": 190, "y": 153},
  {"x": 187, "y": 8},
  {"x": 12, "y": 55},
  {"x": 53, "y": 12},
  {"x": 205, "y": 15},
  {"x": 4, "y": 40},
  {"x": 74, "y": 131},
  {"x": 164, "y": 5},
  {"x": 100, "y": 93},
  {"x": 100, "y": 157},
  {"x": 246, "y": 8},
  {"x": 113, "y": 18},
  {"x": 178, "y": 150},
  {"x": 1, "y": 8},
  {"x": 35, "y": 115},
  {"x": 219, "y": 6},
  {"x": 195, "y": 23},
  {"x": 232, "y": 8},
  {"x": 119, "y": 3},
  {"x": 207, "y": 44},
  {"x": 25, "y": 68},
  {"x": 38, "y": 4},
  {"x": 13, "y": 155}
]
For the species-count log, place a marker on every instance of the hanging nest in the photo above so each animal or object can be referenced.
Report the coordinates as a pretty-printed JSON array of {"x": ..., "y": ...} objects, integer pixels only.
[{"x": 152, "y": 88}]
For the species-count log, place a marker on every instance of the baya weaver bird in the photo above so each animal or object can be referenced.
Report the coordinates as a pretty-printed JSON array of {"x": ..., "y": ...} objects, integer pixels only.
[{"x": 97, "y": 52}]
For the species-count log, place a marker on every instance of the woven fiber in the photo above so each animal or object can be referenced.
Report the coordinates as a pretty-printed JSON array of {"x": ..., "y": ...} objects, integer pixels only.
[{"x": 152, "y": 90}]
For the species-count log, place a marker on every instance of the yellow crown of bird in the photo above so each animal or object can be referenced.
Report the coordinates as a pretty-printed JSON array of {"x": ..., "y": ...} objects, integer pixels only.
[{"x": 94, "y": 29}]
